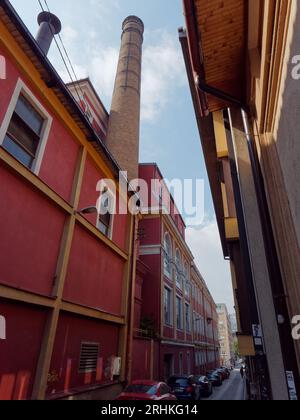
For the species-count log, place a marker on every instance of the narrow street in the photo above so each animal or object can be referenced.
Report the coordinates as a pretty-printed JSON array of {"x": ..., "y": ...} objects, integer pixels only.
[{"x": 232, "y": 389}]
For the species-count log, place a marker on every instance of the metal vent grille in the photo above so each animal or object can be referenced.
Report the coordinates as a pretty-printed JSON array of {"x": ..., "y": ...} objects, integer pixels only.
[{"x": 89, "y": 354}]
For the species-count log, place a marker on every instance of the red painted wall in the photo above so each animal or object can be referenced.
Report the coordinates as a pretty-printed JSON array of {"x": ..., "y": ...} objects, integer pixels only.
[
  {"x": 7, "y": 86},
  {"x": 89, "y": 196},
  {"x": 152, "y": 289},
  {"x": 71, "y": 333},
  {"x": 141, "y": 364},
  {"x": 95, "y": 274},
  {"x": 61, "y": 152},
  {"x": 151, "y": 232},
  {"x": 60, "y": 161},
  {"x": 175, "y": 351},
  {"x": 31, "y": 231},
  {"x": 20, "y": 351}
]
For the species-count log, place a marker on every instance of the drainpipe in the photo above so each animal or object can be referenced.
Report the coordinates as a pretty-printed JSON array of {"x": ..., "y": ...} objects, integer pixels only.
[
  {"x": 279, "y": 296},
  {"x": 132, "y": 301}
]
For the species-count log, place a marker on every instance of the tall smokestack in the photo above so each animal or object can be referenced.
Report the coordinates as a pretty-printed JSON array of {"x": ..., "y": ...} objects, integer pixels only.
[
  {"x": 50, "y": 25},
  {"x": 124, "y": 124}
]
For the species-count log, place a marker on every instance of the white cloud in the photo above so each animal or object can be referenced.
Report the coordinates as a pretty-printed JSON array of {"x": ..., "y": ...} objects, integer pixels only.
[
  {"x": 163, "y": 68},
  {"x": 163, "y": 72},
  {"x": 206, "y": 247},
  {"x": 103, "y": 70}
]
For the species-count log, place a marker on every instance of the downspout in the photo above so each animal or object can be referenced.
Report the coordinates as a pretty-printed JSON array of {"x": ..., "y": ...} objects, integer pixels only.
[
  {"x": 279, "y": 297},
  {"x": 132, "y": 301}
]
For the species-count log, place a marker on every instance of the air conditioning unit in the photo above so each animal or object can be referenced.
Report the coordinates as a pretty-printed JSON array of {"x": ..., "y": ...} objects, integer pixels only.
[{"x": 116, "y": 368}]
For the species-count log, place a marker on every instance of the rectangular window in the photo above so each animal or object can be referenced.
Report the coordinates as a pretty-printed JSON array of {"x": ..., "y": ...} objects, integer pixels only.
[
  {"x": 89, "y": 355},
  {"x": 23, "y": 136},
  {"x": 179, "y": 312},
  {"x": 107, "y": 208},
  {"x": 188, "y": 357},
  {"x": 168, "y": 306},
  {"x": 187, "y": 317},
  {"x": 180, "y": 364}
]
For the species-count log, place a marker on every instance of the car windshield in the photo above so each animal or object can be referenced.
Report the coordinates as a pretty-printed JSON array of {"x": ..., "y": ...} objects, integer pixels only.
[
  {"x": 141, "y": 389},
  {"x": 179, "y": 382}
]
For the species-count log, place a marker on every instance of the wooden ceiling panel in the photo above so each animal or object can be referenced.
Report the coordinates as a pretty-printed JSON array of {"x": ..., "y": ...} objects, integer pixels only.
[{"x": 222, "y": 26}]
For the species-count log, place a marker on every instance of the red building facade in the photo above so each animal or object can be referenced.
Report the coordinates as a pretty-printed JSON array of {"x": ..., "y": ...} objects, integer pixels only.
[
  {"x": 173, "y": 304},
  {"x": 65, "y": 274}
]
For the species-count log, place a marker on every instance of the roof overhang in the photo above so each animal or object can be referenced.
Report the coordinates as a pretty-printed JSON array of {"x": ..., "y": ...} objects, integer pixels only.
[{"x": 206, "y": 130}]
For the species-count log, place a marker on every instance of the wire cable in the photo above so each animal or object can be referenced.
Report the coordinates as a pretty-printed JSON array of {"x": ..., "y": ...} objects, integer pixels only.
[{"x": 74, "y": 83}]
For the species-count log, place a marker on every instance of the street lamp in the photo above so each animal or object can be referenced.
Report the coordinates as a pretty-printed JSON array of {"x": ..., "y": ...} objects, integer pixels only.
[{"x": 89, "y": 210}]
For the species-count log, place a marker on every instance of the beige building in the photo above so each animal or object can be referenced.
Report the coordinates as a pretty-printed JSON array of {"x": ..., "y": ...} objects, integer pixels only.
[
  {"x": 225, "y": 336},
  {"x": 242, "y": 61}
]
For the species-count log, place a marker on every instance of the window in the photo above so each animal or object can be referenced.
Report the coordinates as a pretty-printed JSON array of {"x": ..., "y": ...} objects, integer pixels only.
[
  {"x": 168, "y": 256},
  {"x": 187, "y": 317},
  {"x": 106, "y": 212},
  {"x": 180, "y": 364},
  {"x": 179, "y": 313},
  {"x": 24, "y": 132},
  {"x": 89, "y": 355},
  {"x": 195, "y": 322},
  {"x": 188, "y": 357},
  {"x": 187, "y": 286},
  {"x": 25, "y": 128},
  {"x": 178, "y": 269},
  {"x": 168, "y": 306}
]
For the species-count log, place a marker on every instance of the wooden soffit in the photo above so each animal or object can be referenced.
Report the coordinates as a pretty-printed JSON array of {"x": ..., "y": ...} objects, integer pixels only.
[{"x": 222, "y": 31}]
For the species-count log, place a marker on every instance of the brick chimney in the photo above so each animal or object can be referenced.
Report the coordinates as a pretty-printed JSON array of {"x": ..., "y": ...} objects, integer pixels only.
[{"x": 124, "y": 122}]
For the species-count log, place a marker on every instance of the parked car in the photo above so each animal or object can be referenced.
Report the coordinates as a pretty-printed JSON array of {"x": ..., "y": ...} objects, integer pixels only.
[
  {"x": 215, "y": 378},
  {"x": 147, "y": 391},
  {"x": 224, "y": 373},
  {"x": 206, "y": 386},
  {"x": 185, "y": 387}
]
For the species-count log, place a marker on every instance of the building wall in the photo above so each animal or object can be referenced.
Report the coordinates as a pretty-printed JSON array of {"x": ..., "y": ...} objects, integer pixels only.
[
  {"x": 225, "y": 336},
  {"x": 19, "y": 353},
  {"x": 276, "y": 129},
  {"x": 177, "y": 346},
  {"x": 64, "y": 370},
  {"x": 53, "y": 258}
]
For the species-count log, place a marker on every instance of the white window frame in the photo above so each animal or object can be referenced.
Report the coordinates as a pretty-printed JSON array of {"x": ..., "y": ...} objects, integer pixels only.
[
  {"x": 112, "y": 219},
  {"x": 22, "y": 89},
  {"x": 188, "y": 327},
  {"x": 177, "y": 314},
  {"x": 178, "y": 262},
  {"x": 189, "y": 363},
  {"x": 180, "y": 364},
  {"x": 171, "y": 307},
  {"x": 167, "y": 257},
  {"x": 187, "y": 283}
]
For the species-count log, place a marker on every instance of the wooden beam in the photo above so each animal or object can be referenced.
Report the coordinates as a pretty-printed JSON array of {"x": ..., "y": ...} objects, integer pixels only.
[
  {"x": 43, "y": 367},
  {"x": 28, "y": 298},
  {"x": 31, "y": 179},
  {"x": 92, "y": 229},
  {"x": 91, "y": 313}
]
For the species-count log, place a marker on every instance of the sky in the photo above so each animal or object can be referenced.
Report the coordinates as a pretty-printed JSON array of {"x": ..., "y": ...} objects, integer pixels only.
[{"x": 169, "y": 136}]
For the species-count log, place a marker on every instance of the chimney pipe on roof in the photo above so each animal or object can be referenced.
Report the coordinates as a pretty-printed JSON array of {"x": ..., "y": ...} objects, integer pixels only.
[{"x": 50, "y": 25}]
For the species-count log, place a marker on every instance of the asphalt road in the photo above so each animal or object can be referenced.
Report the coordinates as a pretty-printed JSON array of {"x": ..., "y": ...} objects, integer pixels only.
[{"x": 232, "y": 390}]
